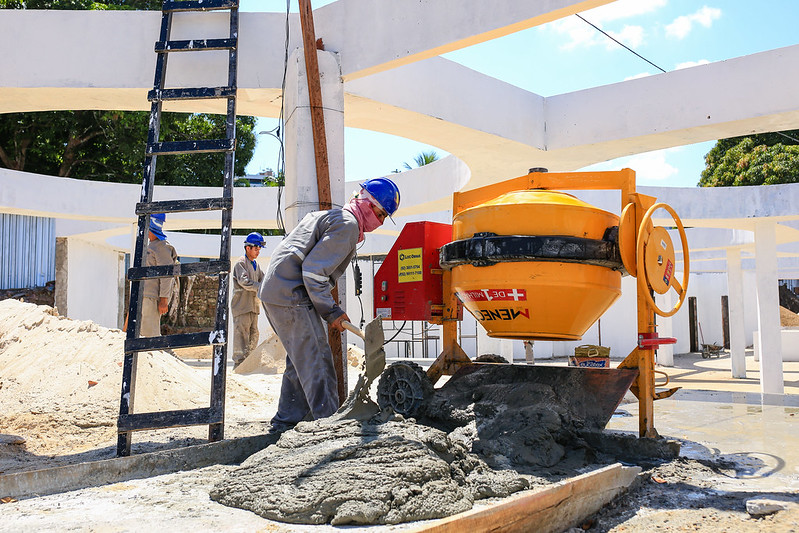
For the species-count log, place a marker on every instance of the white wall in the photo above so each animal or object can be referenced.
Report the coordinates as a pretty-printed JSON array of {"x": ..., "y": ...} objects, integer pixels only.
[{"x": 93, "y": 282}]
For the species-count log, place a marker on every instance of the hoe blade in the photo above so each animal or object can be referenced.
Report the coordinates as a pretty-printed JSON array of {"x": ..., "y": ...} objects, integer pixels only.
[{"x": 589, "y": 395}]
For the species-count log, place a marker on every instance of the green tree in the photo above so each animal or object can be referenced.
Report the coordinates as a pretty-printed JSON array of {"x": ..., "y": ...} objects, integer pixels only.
[
  {"x": 109, "y": 145},
  {"x": 763, "y": 159},
  {"x": 422, "y": 159}
]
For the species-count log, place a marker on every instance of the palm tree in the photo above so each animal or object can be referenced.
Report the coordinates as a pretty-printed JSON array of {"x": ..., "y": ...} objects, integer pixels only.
[{"x": 423, "y": 158}]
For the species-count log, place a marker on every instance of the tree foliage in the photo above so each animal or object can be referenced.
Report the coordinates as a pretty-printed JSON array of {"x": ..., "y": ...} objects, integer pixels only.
[
  {"x": 109, "y": 145},
  {"x": 422, "y": 159},
  {"x": 763, "y": 159}
]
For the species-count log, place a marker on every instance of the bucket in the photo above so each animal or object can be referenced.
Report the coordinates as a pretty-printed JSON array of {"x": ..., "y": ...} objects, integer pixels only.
[{"x": 590, "y": 355}]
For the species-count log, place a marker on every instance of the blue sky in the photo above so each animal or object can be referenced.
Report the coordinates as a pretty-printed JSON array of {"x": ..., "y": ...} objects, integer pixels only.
[{"x": 569, "y": 55}]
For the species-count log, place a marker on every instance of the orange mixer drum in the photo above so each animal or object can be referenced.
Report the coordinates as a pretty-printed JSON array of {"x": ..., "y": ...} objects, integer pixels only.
[{"x": 535, "y": 264}]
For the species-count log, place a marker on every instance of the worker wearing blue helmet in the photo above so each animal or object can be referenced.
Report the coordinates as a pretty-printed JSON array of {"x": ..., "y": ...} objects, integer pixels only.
[
  {"x": 157, "y": 292},
  {"x": 244, "y": 305},
  {"x": 297, "y": 295}
]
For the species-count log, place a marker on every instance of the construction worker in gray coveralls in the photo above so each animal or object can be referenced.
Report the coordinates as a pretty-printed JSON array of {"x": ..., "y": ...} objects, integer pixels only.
[
  {"x": 157, "y": 292},
  {"x": 296, "y": 295},
  {"x": 244, "y": 306}
]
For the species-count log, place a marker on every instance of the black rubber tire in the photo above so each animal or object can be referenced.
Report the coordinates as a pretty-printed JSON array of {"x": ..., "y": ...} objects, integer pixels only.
[
  {"x": 404, "y": 387},
  {"x": 491, "y": 358}
]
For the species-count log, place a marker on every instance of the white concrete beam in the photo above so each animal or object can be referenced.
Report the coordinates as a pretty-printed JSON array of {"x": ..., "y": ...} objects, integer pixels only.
[
  {"x": 413, "y": 30},
  {"x": 23, "y": 193}
]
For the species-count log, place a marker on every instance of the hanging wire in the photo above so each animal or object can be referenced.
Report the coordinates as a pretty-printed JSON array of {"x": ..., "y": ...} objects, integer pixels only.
[
  {"x": 280, "y": 131},
  {"x": 787, "y": 136},
  {"x": 397, "y": 333},
  {"x": 618, "y": 42}
]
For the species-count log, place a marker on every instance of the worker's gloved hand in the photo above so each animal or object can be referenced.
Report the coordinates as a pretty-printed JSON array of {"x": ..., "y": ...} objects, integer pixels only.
[{"x": 337, "y": 323}]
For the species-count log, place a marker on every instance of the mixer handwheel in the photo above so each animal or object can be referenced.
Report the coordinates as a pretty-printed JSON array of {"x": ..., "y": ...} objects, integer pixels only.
[{"x": 404, "y": 387}]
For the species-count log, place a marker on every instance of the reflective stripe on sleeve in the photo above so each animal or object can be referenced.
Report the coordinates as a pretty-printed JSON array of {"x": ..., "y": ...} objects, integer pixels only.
[
  {"x": 317, "y": 277},
  {"x": 298, "y": 253}
]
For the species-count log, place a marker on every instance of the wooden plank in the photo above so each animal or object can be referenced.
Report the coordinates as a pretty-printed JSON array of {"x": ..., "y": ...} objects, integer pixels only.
[
  {"x": 322, "y": 166},
  {"x": 555, "y": 508},
  {"x": 60, "y": 479}
]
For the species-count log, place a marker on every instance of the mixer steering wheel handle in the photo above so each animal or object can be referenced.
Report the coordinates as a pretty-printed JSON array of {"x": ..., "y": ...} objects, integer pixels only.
[{"x": 644, "y": 268}]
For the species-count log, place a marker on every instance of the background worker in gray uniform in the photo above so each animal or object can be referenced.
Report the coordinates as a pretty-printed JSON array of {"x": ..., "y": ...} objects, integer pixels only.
[
  {"x": 245, "y": 306},
  {"x": 296, "y": 295},
  {"x": 157, "y": 292}
]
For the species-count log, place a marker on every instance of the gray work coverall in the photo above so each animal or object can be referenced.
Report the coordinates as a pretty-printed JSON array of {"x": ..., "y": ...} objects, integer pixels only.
[
  {"x": 158, "y": 253},
  {"x": 296, "y": 294},
  {"x": 245, "y": 307}
]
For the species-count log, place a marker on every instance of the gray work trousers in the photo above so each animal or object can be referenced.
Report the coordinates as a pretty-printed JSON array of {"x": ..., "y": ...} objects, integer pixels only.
[
  {"x": 150, "y": 318},
  {"x": 309, "y": 382},
  {"x": 245, "y": 336}
]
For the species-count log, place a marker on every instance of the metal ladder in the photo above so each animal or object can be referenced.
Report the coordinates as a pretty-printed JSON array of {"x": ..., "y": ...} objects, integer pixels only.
[{"x": 214, "y": 415}]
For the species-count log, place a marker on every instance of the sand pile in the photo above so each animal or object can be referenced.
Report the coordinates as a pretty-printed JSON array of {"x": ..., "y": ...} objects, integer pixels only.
[
  {"x": 350, "y": 472},
  {"x": 60, "y": 382},
  {"x": 788, "y": 318}
]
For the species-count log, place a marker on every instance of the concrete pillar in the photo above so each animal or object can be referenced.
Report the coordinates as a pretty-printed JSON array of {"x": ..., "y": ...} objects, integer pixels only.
[
  {"x": 736, "y": 306},
  {"x": 768, "y": 311},
  {"x": 61, "y": 275},
  {"x": 665, "y": 353},
  {"x": 301, "y": 195}
]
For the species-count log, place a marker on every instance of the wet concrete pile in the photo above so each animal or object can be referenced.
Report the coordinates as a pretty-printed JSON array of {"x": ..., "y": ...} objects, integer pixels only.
[
  {"x": 388, "y": 470},
  {"x": 518, "y": 416},
  {"x": 342, "y": 471}
]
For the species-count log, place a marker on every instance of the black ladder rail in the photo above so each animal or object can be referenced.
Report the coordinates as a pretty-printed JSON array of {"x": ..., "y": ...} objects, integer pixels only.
[{"x": 213, "y": 416}]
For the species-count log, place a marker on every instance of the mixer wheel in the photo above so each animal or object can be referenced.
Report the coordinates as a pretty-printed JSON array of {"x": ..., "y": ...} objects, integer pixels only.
[
  {"x": 490, "y": 358},
  {"x": 404, "y": 387}
]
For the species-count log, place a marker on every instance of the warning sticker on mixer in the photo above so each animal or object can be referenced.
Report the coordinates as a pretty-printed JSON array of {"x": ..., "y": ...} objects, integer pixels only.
[
  {"x": 669, "y": 272},
  {"x": 490, "y": 295},
  {"x": 410, "y": 265}
]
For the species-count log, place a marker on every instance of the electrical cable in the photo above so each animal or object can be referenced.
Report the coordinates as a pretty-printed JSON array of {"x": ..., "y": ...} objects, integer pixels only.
[
  {"x": 787, "y": 136},
  {"x": 618, "y": 42},
  {"x": 397, "y": 333}
]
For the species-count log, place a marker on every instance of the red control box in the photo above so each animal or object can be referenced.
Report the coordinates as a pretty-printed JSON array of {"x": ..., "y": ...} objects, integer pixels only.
[{"x": 408, "y": 285}]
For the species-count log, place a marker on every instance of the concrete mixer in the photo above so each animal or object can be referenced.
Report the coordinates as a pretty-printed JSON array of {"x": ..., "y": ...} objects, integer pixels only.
[{"x": 531, "y": 262}]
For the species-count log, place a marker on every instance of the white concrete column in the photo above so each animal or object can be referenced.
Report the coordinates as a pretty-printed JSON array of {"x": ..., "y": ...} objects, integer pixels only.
[
  {"x": 735, "y": 298},
  {"x": 301, "y": 194},
  {"x": 665, "y": 353},
  {"x": 768, "y": 310}
]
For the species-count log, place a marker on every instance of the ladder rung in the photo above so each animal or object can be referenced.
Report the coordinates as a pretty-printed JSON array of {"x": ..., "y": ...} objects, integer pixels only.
[
  {"x": 216, "y": 266},
  {"x": 198, "y": 5},
  {"x": 180, "y": 340},
  {"x": 192, "y": 93},
  {"x": 184, "y": 206},
  {"x": 179, "y": 269},
  {"x": 169, "y": 419},
  {"x": 194, "y": 45},
  {"x": 194, "y": 147}
]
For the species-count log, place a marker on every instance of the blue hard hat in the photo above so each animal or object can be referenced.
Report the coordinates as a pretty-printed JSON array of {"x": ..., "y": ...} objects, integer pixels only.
[
  {"x": 157, "y": 225},
  {"x": 385, "y": 192},
  {"x": 254, "y": 239}
]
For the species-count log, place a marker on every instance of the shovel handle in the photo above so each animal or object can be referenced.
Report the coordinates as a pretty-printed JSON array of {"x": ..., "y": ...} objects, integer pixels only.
[{"x": 351, "y": 327}]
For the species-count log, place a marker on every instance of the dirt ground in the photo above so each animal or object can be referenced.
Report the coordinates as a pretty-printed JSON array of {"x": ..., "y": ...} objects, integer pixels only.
[{"x": 59, "y": 394}]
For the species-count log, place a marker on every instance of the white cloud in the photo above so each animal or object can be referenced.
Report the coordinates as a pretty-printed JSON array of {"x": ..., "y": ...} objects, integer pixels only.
[
  {"x": 637, "y": 76},
  {"x": 689, "y": 64},
  {"x": 631, "y": 36},
  {"x": 648, "y": 167},
  {"x": 683, "y": 25},
  {"x": 581, "y": 34}
]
